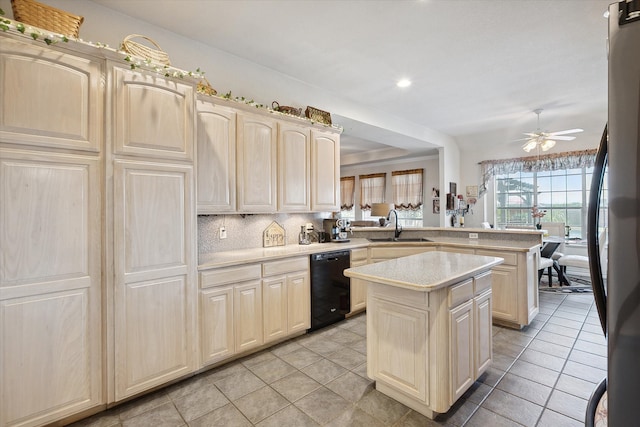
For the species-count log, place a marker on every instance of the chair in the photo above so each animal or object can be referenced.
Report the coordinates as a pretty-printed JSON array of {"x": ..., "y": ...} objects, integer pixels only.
[
  {"x": 580, "y": 261},
  {"x": 556, "y": 229},
  {"x": 547, "y": 261}
]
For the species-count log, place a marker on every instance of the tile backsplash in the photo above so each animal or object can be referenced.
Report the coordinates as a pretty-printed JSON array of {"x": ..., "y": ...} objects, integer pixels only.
[{"x": 245, "y": 231}]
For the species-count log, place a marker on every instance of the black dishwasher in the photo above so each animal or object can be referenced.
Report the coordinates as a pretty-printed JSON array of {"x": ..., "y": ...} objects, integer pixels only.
[{"x": 330, "y": 288}]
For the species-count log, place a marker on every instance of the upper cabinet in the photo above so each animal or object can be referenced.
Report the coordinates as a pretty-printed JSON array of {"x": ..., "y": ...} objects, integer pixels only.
[
  {"x": 256, "y": 152},
  {"x": 264, "y": 164},
  {"x": 153, "y": 116},
  {"x": 293, "y": 168},
  {"x": 216, "y": 145},
  {"x": 325, "y": 171},
  {"x": 68, "y": 114}
]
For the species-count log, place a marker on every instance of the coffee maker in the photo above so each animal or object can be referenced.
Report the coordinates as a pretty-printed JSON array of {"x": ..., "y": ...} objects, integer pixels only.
[{"x": 337, "y": 229}]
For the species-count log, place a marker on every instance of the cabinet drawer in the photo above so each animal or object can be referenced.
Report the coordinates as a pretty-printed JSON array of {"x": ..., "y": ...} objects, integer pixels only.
[
  {"x": 358, "y": 254},
  {"x": 223, "y": 276},
  {"x": 285, "y": 266},
  {"x": 510, "y": 258},
  {"x": 482, "y": 282},
  {"x": 460, "y": 293}
]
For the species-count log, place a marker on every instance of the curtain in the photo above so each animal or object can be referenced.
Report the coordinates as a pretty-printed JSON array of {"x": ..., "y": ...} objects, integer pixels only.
[
  {"x": 372, "y": 188},
  {"x": 347, "y": 192},
  {"x": 407, "y": 189},
  {"x": 547, "y": 162}
]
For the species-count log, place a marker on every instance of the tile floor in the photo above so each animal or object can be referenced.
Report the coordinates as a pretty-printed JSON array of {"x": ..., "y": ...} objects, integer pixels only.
[{"x": 540, "y": 376}]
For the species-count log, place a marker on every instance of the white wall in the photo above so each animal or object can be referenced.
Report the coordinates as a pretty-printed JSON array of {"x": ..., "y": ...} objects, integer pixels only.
[{"x": 431, "y": 178}]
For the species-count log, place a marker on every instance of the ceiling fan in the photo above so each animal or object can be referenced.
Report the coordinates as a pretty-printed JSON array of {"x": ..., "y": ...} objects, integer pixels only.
[{"x": 545, "y": 140}]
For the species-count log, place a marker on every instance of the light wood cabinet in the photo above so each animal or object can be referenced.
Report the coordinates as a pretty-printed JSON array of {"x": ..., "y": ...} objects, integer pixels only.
[
  {"x": 51, "y": 241},
  {"x": 49, "y": 98},
  {"x": 325, "y": 171},
  {"x": 421, "y": 354},
  {"x": 515, "y": 288},
  {"x": 216, "y": 160},
  {"x": 51, "y": 341},
  {"x": 216, "y": 325},
  {"x": 256, "y": 163},
  {"x": 247, "y": 314},
  {"x": 287, "y": 298},
  {"x": 358, "y": 286},
  {"x": 154, "y": 284},
  {"x": 461, "y": 330},
  {"x": 153, "y": 116},
  {"x": 293, "y": 168}
]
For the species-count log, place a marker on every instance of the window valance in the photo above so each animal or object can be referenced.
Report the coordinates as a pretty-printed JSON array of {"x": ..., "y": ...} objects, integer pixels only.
[{"x": 546, "y": 162}]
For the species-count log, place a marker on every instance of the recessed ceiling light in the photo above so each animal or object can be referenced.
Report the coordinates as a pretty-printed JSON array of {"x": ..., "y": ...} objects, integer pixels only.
[{"x": 404, "y": 83}]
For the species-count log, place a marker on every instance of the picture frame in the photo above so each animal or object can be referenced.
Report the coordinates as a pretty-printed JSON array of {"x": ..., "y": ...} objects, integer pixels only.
[
  {"x": 436, "y": 206},
  {"x": 435, "y": 192},
  {"x": 451, "y": 201},
  {"x": 453, "y": 188},
  {"x": 472, "y": 191}
]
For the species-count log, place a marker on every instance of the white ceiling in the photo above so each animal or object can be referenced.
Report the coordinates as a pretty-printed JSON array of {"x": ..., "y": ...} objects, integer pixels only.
[{"x": 479, "y": 67}]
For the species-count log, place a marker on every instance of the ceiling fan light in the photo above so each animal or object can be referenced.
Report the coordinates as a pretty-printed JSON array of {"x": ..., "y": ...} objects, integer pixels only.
[
  {"x": 547, "y": 144},
  {"x": 529, "y": 145}
]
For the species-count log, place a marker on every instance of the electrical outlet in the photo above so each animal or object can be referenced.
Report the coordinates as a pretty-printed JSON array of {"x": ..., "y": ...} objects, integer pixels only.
[
  {"x": 473, "y": 235},
  {"x": 223, "y": 233}
]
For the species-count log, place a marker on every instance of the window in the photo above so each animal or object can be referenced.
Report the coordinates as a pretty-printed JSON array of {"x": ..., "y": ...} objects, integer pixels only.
[
  {"x": 372, "y": 188},
  {"x": 347, "y": 195},
  {"x": 564, "y": 194},
  {"x": 407, "y": 196}
]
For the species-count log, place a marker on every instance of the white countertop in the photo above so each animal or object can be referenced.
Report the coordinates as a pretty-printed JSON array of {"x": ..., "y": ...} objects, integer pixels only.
[
  {"x": 229, "y": 258},
  {"x": 424, "y": 272}
]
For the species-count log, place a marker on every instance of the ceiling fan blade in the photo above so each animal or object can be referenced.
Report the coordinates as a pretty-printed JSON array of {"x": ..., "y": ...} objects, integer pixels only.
[
  {"x": 564, "y": 132},
  {"x": 562, "y": 138}
]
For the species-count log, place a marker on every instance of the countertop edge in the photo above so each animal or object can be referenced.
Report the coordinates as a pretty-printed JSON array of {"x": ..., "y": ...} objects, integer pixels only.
[{"x": 425, "y": 288}]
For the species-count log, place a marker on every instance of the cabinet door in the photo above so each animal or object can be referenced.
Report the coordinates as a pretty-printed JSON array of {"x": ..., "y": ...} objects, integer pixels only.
[
  {"x": 247, "y": 313},
  {"x": 298, "y": 302},
  {"x": 293, "y": 168},
  {"x": 256, "y": 163},
  {"x": 483, "y": 337},
  {"x": 49, "y": 98},
  {"x": 325, "y": 171},
  {"x": 216, "y": 324},
  {"x": 358, "y": 290},
  {"x": 461, "y": 330},
  {"x": 154, "y": 274},
  {"x": 153, "y": 116},
  {"x": 50, "y": 286},
  {"x": 216, "y": 165},
  {"x": 399, "y": 360},
  {"x": 274, "y": 297},
  {"x": 504, "y": 283}
]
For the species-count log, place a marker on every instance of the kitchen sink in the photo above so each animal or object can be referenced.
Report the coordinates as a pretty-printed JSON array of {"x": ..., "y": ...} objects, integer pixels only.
[{"x": 399, "y": 239}]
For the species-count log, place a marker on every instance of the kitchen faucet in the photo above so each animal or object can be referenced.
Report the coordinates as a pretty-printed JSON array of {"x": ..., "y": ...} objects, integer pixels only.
[{"x": 398, "y": 227}]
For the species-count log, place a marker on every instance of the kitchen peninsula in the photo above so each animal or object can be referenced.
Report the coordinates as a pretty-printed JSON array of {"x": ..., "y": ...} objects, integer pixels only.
[{"x": 428, "y": 326}]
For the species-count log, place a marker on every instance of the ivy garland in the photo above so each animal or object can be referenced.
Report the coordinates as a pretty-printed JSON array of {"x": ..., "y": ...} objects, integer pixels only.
[{"x": 134, "y": 62}]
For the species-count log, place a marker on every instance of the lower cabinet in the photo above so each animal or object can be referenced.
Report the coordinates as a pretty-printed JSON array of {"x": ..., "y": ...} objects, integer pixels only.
[
  {"x": 287, "y": 298},
  {"x": 244, "y": 307},
  {"x": 358, "y": 286},
  {"x": 469, "y": 332},
  {"x": 440, "y": 353}
]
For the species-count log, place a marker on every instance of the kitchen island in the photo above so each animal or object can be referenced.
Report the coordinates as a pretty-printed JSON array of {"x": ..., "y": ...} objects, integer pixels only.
[{"x": 428, "y": 326}]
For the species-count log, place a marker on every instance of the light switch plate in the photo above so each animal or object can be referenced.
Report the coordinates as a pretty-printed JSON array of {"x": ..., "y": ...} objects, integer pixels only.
[
  {"x": 223, "y": 233},
  {"x": 473, "y": 235}
]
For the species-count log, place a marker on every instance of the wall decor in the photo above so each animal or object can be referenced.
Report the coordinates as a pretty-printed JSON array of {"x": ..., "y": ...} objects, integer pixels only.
[
  {"x": 436, "y": 206},
  {"x": 453, "y": 188},
  {"x": 472, "y": 191}
]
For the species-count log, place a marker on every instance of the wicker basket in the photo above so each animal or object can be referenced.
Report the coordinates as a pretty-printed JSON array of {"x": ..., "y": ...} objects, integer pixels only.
[
  {"x": 143, "y": 51},
  {"x": 49, "y": 18},
  {"x": 205, "y": 87},
  {"x": 318, "y": 115},
  {"x": 286, "y": 109}
]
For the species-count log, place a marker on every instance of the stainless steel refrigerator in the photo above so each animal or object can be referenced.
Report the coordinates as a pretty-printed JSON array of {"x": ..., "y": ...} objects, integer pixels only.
[{"x": 618, "y": 300}]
